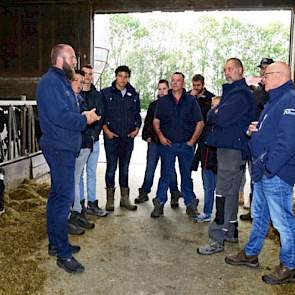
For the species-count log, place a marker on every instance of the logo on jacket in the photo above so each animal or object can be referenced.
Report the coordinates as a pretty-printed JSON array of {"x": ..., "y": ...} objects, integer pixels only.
[
  {"x": 289, "y": 112},
  {"x": 129, "y": 94}
]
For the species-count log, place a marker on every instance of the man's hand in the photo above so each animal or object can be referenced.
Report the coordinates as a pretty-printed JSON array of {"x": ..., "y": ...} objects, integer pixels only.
[
  {"x": 133, "y": 133},
  {"x": 190, "y": 143},
  {"x": 164, "y": 140},
  {"x": 194, "y": 92},
  {"x": 252, "y": 128},
  {"x": 91, "y": 116}
]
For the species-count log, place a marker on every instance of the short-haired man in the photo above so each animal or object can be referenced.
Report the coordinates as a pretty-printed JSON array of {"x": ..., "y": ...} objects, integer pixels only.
[
  {"x": 204, "y": 98},
  {"x": 121, "y": 126},
  {"x": 93, "y": 99},
  {"x": 230, "y": 120},
  {"x": 261, "y": 99},
  {"x": 178, "y": 123},
  {"x": 273, "y": 172},
  {"x": 61, "y": 124}
]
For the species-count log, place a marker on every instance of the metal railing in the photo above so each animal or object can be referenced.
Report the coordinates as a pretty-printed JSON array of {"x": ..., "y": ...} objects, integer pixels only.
[{"x": 19, "y": 129}]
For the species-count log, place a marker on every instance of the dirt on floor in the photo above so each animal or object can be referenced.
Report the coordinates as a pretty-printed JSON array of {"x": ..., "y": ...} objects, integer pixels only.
[
  {"x": 126, "y": 253},
  {"x": 22, "y": 229}
]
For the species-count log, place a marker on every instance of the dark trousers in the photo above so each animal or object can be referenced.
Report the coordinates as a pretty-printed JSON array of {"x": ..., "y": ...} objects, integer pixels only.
[
  {"x": 60, "y": 198},
  {"x": 118, "y": 150},
  {"x": 152, "y": 159},
  {"x": 185, "y": 155}
]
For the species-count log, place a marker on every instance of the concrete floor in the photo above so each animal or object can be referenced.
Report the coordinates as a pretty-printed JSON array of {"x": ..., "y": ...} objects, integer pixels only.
[{"x": 130, "y": 253}]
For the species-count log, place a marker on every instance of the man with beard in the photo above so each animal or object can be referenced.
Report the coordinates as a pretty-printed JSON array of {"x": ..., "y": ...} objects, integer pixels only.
[
  {"x": 230, "y": 119},
  {"x": 61, "y": 124}
]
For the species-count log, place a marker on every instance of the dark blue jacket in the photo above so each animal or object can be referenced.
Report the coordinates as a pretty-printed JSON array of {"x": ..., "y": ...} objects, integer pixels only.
[
  {"x": 60, "y": 119},
  {"x": 232, "y": 117},
  {"x": 178, "y": 120},
  {"x": 122, "y": 114},
  {"x": 92, "y": 99},
  {"x": 274, "y": 142}
]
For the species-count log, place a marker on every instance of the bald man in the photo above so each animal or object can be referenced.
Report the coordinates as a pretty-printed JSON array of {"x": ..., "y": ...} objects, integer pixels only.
[
  {"x": 273, "y": 172},
  {"x": 61, "y": 124}
]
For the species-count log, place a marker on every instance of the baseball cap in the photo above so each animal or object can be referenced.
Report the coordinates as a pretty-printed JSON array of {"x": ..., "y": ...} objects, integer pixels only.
[{"x": 265, "y": 61}]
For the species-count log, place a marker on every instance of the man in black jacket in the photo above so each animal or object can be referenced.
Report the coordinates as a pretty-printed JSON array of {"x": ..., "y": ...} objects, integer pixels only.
[{"x": 121, "y": 126}]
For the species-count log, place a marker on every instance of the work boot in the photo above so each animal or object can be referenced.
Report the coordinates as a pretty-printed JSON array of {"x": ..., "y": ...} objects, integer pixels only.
[
  {"x": 280, "y": 275},
  {"x": 242, "y": 259},
  {"x": 125, "y": 202},
  {"x": 191, "y": 209},
  {"x": 93, "y": 209},
  {"x": 246, "y": 216},
  {"x": 110, "y": 199},
  {"x": 174, "y": 199},
  {"x": 74, "y": 229},
  {"x": 158, "y": 209},
  {"x": 142, "y": 197},
  {"x": 52, "y": 250},
  {"x": 81, "y": 220},
  {"x": 70, "y": 265}
]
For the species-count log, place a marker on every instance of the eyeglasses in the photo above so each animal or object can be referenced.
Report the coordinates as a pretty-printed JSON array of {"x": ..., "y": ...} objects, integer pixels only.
[{"x": 269, "y": 73}]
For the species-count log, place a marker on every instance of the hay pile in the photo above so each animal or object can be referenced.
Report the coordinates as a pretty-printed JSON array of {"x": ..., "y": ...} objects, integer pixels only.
[{"x": 22, "y": 228}]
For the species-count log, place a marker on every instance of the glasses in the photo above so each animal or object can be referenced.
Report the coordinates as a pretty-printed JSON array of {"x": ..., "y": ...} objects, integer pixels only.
[{"x": 269, "y": 73}]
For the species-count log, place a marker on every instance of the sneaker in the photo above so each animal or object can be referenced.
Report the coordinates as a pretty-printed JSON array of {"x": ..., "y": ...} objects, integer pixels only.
[
  {"x": 280, "y": 275},
  {"x": 80, "y": 220},
  {"x": 242, "y": 259},
  {"x": 52, "y": 250},
  {"x": 2, "y": 210},
  {"x": 70, "y": 265},
  {"x": 94, "y": 209},
  {"x": 203, "y": 217},
  {"x": 74, "y": 229},
  {"x": 211, "y": 248}
]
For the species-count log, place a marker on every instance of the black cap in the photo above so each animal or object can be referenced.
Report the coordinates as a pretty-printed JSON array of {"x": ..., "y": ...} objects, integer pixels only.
[{"x": 265, "y": 61}]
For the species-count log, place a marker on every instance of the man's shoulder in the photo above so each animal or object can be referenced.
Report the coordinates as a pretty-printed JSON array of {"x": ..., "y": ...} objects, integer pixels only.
[{"x": 208, "y": 94}]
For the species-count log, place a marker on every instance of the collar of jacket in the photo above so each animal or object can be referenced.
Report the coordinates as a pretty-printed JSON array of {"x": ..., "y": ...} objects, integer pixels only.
[
  {"x": 277, "y": 93},
  {"x": 236, "y": 84},
  {"x": 59, "y": 72},
  {"x": 182, "y": 95},
  {"x": 128, "y": 87}
]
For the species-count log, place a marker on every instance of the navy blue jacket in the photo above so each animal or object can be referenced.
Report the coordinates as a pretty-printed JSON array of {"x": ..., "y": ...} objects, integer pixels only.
[
  {"x": 274, "y": 142},
  {"x": 178, "y": 120},
  {"x": 60, "y": 119},
  {"x": 122, "y": 114},
  {"x": 92, "y": 99},
  {"x": 232, "y": 117}
]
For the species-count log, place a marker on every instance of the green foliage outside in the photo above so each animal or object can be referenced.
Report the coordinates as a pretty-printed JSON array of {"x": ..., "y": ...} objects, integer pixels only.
[{"x": 156, "y": 49}]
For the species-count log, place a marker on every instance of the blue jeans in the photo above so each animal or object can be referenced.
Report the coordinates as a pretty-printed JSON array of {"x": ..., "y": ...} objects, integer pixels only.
[
  {"x": 118, "y": 150},
  {"x": 79, "y": 167},
  {"x": 60, "y": 198},
  {"x": 273, "y": 201},
  {"x": 209, "y": 184},
  {"x": 91, "y": 166},
  {"x": 152, "y": 159},
  {"x": 185, "y": 155}
]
